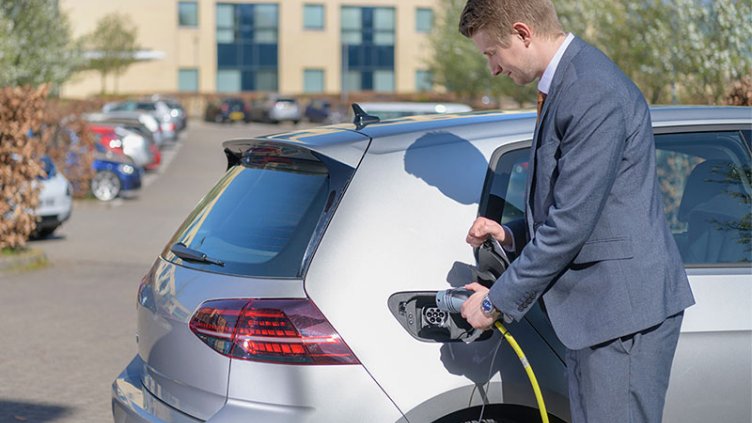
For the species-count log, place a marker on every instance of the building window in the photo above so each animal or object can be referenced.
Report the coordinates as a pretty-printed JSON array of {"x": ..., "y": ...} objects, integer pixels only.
[
  {"x": 383, "y": 81},
  {"x": 188, "y": 80},
  {"x": 368, "y": 38},
  {"x": 383, "y": 27},
  {"x": 423, "y": 19},
  {"x": 423, "y": 80},
  {"x": 313, "y": 81},
  {"x": 188, "y": 13},
  {"x": 352, "y": 25},
  {"x": 313, "y": 16},
  {"x": 265, "y": 23},
  {"x": 228, "y": 81},
  {"x": 225, "y": 23},
  {"x": 247, "y": 49}
]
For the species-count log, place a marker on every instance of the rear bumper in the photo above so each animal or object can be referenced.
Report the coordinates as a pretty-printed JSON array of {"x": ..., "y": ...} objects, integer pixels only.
[
  {"x": 132, "y": 403},
  {"x": 320, "y": 400}
]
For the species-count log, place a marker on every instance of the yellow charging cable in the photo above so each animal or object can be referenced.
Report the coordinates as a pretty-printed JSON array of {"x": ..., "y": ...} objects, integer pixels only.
[{"x": 529, "y": 370}]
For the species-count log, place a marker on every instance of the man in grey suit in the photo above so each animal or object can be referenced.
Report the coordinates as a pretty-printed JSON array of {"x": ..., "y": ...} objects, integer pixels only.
[{"x": 594, "y": 244}]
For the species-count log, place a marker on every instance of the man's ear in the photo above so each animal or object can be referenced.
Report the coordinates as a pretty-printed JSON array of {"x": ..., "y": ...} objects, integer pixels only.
[{"x": 523, "y": 32}]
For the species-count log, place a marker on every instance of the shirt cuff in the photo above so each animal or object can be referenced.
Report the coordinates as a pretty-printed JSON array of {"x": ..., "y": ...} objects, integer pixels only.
[{"x": 511, "y": 248}]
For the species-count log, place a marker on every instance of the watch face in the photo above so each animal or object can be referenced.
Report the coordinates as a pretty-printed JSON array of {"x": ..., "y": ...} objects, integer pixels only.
[{"x": 487, "y": 306}]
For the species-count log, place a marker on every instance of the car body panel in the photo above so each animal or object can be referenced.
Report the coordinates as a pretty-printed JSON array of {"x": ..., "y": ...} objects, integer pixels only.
[
  {"x": 400, "y": 226},
  {"x": 399, "y": 187},
  {"x": 168, "y": 298},
  {"x": 289, "y": 393}
]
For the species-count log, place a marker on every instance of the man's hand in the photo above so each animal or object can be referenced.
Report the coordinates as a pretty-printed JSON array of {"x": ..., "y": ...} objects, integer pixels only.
[
  {"x": 471, "y": 310},
  {"x": 482, "y": 228}
]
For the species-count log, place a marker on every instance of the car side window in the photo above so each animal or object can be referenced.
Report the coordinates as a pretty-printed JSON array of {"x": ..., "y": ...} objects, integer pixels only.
[
  {"x": 504, "y": 194},
  {"x": 705, "y": 181}
]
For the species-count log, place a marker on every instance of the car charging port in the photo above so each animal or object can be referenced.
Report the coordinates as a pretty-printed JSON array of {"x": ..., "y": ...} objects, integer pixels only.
[
  {"x": 435, "y": 317},
  {"x": 418, "y": 314}
]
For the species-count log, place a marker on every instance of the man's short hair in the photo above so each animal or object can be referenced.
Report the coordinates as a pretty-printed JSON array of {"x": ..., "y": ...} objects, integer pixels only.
[{"x": 498, "y": 16}]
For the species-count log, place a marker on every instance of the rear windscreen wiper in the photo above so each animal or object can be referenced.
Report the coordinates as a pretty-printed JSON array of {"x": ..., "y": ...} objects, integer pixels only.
[{"x": 185, "y": 253}]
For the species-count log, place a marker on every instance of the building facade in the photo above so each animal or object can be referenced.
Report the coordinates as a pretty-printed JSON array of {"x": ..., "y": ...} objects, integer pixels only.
[{"x": 289, "y": 46}]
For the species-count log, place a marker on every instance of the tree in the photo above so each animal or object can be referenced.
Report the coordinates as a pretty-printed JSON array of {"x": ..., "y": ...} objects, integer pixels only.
[
  {"x": 112, "y": 46},
  {"x": 687, "y": 51},
  {"x": 35, "y": 44},
  {"x": 677, "y": 51},
  {"x": 458, "y": 66}
]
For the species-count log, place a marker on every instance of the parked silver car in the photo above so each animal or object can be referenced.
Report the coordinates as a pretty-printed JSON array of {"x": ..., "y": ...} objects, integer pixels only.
[
  {"x": 276, "y": 109},
  {"x": 308, "y": 297}
]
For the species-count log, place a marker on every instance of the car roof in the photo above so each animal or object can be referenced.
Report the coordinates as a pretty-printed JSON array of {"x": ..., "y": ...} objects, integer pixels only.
[
  {"x": 414, "y": 107},
  {"x": 338, "y": 140}
]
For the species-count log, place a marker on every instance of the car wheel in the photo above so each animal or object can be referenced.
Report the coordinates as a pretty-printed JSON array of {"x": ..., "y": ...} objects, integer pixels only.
[
  {"x": 105, "y": 186},
  {"x": 296, "y": 122}
]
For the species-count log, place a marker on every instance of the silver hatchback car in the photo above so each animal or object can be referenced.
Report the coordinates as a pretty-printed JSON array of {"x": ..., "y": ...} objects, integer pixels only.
[{"x": 301, "y": 288}]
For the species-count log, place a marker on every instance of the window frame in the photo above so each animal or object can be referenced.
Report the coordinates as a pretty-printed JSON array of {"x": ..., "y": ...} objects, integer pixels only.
[
  {"x": 322, "y": 26},
  {"x": 195, "y": 4},
  {"x": 197, "y": 73},
  {"x": 418, "y": 11},
  {"x": 693, "y": 268},
  {"x": 322, "y": 72}
]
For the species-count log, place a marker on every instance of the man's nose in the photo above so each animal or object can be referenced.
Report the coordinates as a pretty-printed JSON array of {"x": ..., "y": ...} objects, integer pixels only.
[{"x": 493, "y": 68}]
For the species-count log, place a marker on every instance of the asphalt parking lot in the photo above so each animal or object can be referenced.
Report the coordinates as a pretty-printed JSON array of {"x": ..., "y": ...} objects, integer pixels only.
[{"x": 69, "y": 329}]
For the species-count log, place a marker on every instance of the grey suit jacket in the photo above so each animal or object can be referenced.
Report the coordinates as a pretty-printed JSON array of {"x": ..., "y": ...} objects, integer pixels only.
[{"x": 600, "y": 252}]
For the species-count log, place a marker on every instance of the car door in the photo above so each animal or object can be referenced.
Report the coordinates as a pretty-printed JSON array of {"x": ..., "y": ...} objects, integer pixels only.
[
  {"x": 704, "y": 175},
  {"x": 704, "y": 172}
]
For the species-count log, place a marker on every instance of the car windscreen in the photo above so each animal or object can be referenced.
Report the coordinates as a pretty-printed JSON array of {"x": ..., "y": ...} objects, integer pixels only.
[{"x": 259, "y": 219}]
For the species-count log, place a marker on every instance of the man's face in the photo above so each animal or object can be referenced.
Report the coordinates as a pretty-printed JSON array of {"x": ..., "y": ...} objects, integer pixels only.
[{"x": 512, "y": 60}]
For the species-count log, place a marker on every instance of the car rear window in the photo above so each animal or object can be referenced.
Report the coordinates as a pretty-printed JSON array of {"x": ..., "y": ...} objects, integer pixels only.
[{"x": 259, "y": 219}]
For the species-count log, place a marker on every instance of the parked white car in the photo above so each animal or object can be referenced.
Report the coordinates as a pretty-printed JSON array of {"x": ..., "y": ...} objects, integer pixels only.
[
  {"x": 55, "y": 200},
  {"x": 302, "y": 287}
]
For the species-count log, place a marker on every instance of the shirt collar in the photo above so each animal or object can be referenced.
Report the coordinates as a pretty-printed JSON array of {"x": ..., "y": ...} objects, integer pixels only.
[{"x": 548, "y": 75}]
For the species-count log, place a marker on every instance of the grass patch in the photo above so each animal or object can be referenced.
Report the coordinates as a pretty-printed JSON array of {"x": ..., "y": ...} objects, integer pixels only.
[{"x": 7, "y": 251}]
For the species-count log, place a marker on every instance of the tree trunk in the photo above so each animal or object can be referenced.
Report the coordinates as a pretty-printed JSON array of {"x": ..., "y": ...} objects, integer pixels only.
[{"x": 104, "y": 80}]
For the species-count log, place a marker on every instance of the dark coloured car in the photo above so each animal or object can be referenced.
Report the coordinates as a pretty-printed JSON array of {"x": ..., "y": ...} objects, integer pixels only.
[
  {"x": 116, "y": 174},
  {"x": 227, "y": 110}
]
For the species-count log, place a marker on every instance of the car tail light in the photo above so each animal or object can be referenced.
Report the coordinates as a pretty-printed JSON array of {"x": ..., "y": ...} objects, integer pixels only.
[{"x": 288, "y": 331}]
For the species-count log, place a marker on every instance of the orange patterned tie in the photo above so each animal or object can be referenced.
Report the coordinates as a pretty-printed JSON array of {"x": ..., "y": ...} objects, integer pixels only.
[{"x": 541, "y": 99}]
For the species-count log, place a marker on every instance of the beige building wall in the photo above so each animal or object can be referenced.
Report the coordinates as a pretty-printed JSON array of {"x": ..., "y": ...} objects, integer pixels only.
[{"x": 195, "y": 48}]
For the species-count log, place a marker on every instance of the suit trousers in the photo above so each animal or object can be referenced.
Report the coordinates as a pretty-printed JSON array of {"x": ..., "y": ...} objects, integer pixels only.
[{"x": 623, "y": 380}]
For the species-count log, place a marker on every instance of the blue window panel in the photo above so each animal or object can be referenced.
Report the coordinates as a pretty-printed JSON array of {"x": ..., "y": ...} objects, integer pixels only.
[
  {"x": 368, "y": 56},
  {"x": 248, "y": 80},
  {"x": 366, "y": 81},
  {"x": 367, "y": 16},
  {"x": 384, "y": 56},
  {"x": 267, "y": 55},
  {"x": 249, "y": 55},
  {"x": 227, "y": 55},
  {"x": 354, "y": 59},
  {"x": 244, "y": 13}
]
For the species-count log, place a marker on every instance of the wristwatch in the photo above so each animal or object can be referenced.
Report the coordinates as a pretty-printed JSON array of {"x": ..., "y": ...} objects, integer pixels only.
[{"x": 487, "y": 307}]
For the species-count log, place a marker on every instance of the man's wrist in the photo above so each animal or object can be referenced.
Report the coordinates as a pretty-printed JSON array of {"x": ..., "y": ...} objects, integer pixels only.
[{"x": 488, "y": 309}]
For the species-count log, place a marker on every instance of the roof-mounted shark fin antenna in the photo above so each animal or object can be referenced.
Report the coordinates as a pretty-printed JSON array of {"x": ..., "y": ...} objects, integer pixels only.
[{"x": 362, "y": 119}]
